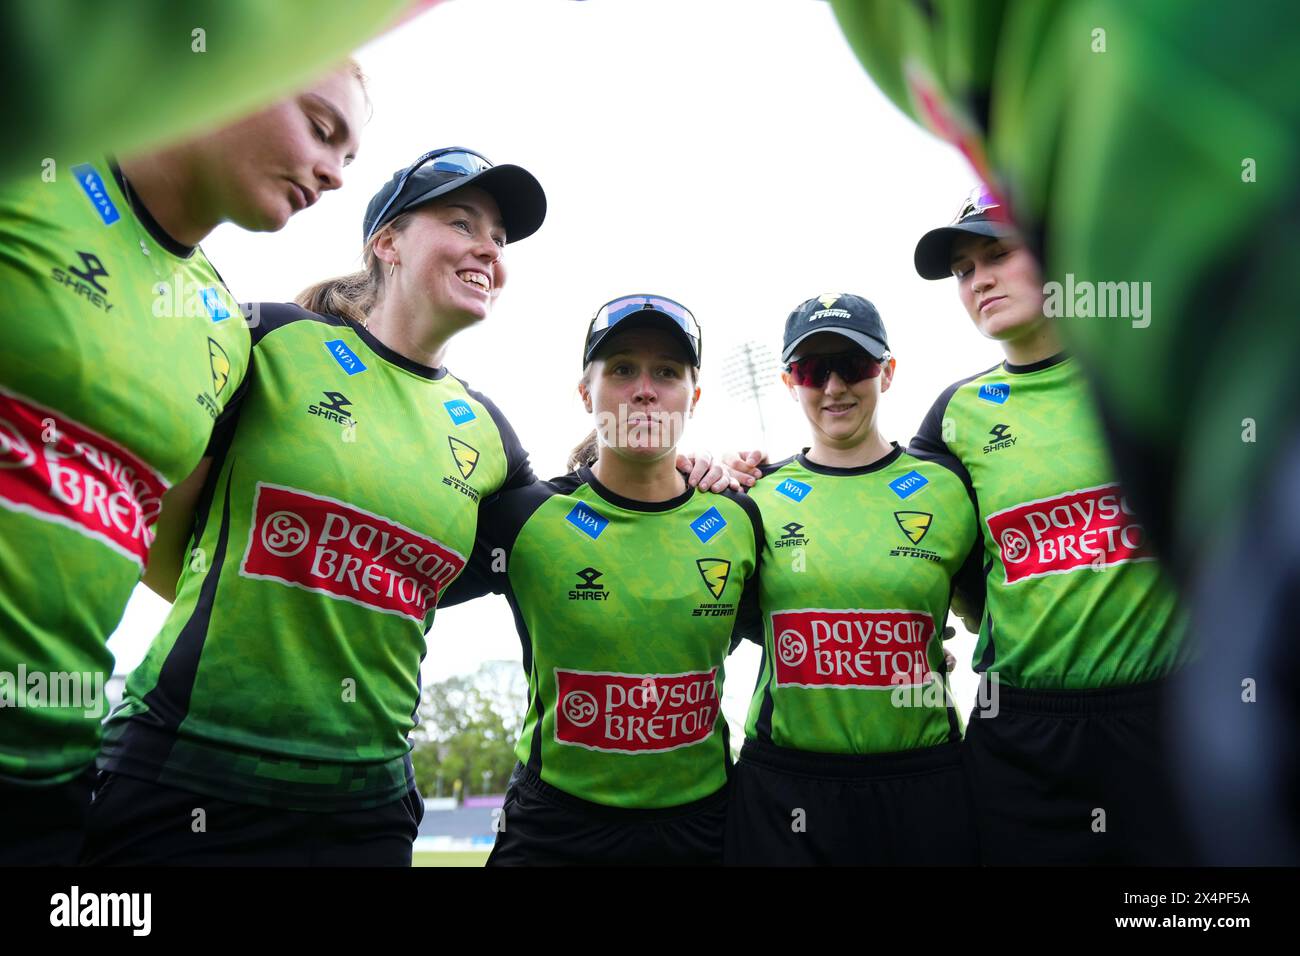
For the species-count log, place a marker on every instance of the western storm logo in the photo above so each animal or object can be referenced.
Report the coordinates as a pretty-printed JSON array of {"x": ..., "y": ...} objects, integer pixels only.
[
  {"x": 1089, "y": 528},
  {"x": 793, "y": 536},
  {"x": 914, "y": 524},
  {"x": 828, "y": 299},
  {"x": 332, "y": 408},
  {"x": 465, "y": 456},
  {"x": 587, "y": 588},
  {"x": 1000, "y": 437},
  {"x": 714, "y": 571},
  {"x": 861, "y": 649},
  {"x": 634, "y": 713},
  {"x": 333, "y": 548},
  {"x": 219, "y": 364}
]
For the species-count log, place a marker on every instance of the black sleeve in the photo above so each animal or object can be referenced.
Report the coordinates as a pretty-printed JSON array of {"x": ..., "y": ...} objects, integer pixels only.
[
  {"x": 749, "y": 614},
  {"x": 968, "y": 585},
  {"x": 929, "y": 442},
  {"x": 500, "y": 519},
  {"x": 519, "y": 472}
]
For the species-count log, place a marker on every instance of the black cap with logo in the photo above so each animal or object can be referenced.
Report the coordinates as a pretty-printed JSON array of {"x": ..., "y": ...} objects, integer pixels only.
[
  {"x": 982, "y": 214},
  {"x": 848, "y": 315},
  {"x": 517, "y": 192}
]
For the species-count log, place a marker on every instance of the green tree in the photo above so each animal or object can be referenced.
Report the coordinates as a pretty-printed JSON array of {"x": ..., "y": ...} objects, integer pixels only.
[{"x": 468, "y": 726}]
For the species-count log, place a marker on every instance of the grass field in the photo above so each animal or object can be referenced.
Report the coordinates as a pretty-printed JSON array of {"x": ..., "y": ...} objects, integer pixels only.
[{"x": 469, "y": 858}]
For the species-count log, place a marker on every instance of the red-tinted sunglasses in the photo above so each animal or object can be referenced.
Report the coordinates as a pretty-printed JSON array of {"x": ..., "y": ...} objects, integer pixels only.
[{"x": 851, "y": 367}]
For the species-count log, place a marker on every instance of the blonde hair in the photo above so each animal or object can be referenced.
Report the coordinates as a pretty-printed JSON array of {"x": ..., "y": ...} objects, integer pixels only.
[{"x": 355, "y": 295}]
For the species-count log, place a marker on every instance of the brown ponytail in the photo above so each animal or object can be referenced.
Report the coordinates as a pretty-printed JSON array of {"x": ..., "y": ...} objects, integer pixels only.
[{"x": 353, "y": 296}]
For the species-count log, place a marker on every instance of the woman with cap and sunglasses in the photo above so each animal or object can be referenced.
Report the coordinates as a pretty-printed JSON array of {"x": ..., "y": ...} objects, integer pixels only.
[
  {"x": 1080, "y": 627},
  {"x": 626, "y": 585},
  {"x": 342, "y": 500},
  {"x": 122, "y": 346},
  {"x": 853, "y": 748}
]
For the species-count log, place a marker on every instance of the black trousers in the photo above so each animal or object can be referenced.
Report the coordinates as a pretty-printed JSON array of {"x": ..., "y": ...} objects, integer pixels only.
[
  {"x": 541, "y": 825},
  {"x": 43, "y": 826},
  {"x": 797, "y": 808},
  {"x": 139, "y": 823},
  {"x": 1076, "y": 778}
]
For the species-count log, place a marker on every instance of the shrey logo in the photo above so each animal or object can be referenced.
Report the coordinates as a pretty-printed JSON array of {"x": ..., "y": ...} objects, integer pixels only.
[
  {"x": 587, "y": 579},
  {"x": 997, "y": 393},
  {"x": 92, "y": 270},
  {"x": 634, "y": 713},
  {"x": 794, "y": 490},
  {"x": 859, "y": 649},
  {"x": 914, "y": 524},
  {"x": 707, "y": 525},
  {"x": 1091, "y": 527},
  {"x": 219, "y": 363},
  {"x": 332, "y": 548},
  {"x": 714, "y": 571},
  {"x": 465, "y": 456},
  {"x": 333, "y": 408},
  {"x": 78, "y": 479}
]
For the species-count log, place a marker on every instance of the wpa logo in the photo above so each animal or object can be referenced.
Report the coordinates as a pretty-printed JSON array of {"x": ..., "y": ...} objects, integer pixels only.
[
  {"x": 707, "y": 525},
  {"x": 909, "y": 484},
  {"x": 997, "y": 393},
  {"x": 212, "y": 302},
  {"x": 89, "y": 180},
  {"x": 346, "y": 358},
  {"x": 459, "y": 411},
  {"x": 587, "y": 520},
  {"x": 794, "y": 490}
]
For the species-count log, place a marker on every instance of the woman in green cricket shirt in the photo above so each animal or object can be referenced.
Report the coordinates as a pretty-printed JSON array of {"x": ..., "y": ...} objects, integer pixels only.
[
  {"x": 853, "y": 749},
  {"x": 626, "y": 585},
  {"x": 342, "y": 500},
  {"x": 1081, "y": 627},
  {"x": 122, "y": 349}
]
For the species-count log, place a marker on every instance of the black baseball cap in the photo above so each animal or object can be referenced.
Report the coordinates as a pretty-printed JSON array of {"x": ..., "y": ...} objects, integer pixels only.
[
  {"x": 438, "y": 172},
  {"x": 848, "y": 315},
  {"x": 640, "y": 311},
  {"x": 982, "y": 214}
]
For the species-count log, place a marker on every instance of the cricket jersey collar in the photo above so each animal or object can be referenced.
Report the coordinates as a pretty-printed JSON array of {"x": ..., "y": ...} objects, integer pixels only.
[
  {"x": 880, "y": 463},
  {"x": 396, "y": 358},
  {"x": 1038, "y": 366},
  {"x": 631, "y": 504},
  {"x": 136, "y": 205}
]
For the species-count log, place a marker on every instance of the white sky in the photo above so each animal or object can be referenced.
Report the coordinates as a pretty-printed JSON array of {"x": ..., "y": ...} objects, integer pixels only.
[{"x": 731, "y": 154}]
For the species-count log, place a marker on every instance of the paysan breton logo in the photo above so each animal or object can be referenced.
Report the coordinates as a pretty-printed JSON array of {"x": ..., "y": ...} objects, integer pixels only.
[
  {"x": 634, "y": 713},
  {"x": 346, "y": 358},
  {"x": 587, "y": 520},
  {"x": 708, "y": 525},
  {"x": 909, "y": 484},
  {"x": 1089, "y": 528},
  {"x": 997, "y": 393},
  {"x": 794, "y": 490},
  {"x": 858, "y": 649},
  {"x": 459, "y": 411},
  {"x": 332, "y": 548},
  {"x": 57, "y": 470}
]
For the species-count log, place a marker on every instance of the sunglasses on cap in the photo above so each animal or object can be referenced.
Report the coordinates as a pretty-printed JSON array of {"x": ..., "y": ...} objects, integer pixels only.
[
  {"x": 851, "y": 367},
  {"x": 980, "y": 200},
  {"x": 614, "y": 312},
  {"x": 451, "y": 159}
]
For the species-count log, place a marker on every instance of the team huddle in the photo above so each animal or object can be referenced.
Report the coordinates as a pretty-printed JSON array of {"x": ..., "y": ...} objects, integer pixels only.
[{"x": 307, "y": 483}]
